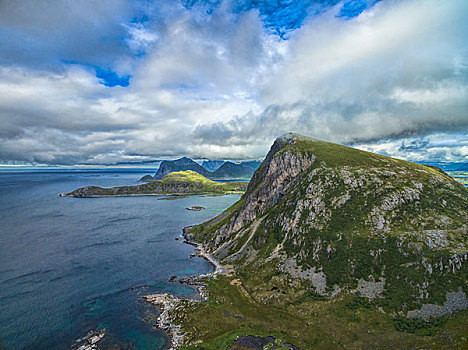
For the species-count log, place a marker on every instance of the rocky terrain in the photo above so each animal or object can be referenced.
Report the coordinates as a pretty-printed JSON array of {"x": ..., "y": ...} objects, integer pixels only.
[
  {"x": 330, "y": 230},
  {"x": 176, "y": 183}
]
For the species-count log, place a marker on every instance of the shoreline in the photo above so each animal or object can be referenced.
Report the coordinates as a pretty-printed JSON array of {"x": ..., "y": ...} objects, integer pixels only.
[
  {"x": 176, "y": 196},
  {"x": 168, "y": 302},
  {"x": 131, "y": 195}
]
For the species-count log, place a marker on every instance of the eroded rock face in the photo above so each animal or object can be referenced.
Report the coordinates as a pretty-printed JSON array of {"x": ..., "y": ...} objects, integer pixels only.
[
  {"x": 280, "y": 173},
  {"x": 268, "y": 185}
]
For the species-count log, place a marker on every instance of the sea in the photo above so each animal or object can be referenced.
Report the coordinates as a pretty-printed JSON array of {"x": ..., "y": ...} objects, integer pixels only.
[{"x": 72, "y": 265}]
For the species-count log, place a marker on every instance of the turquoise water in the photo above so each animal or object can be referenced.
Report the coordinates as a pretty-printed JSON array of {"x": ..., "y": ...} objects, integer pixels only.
[{"x": 70, "y": 265}]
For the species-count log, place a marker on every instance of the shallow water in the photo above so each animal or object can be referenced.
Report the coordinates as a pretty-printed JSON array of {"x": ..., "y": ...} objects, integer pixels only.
[{"x": 69, "y": 265}]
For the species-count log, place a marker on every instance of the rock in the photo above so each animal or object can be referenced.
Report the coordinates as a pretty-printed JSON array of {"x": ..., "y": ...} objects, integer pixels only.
[
  {"x": 90, "y": 341},
  {"x": 195, "y": 208},
  {"x": 94, "y": 339}
]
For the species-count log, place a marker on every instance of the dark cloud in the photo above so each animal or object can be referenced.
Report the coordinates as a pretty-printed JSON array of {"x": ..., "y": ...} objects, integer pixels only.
[{"x": 42, "y": 33}]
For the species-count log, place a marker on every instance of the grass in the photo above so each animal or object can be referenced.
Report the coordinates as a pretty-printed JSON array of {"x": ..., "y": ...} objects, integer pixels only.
[{"x": 345, "y": 323}]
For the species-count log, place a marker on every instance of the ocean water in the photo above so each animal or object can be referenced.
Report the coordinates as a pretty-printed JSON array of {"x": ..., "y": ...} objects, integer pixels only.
[{"x": 70, "y": 265}]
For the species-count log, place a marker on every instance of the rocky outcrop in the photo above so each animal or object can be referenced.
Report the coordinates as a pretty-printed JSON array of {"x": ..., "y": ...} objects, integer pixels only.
[
  {"x": 90, "y": 341},
  {"x": 455, "y": 301},
  {"x": 169, "y": 306}
]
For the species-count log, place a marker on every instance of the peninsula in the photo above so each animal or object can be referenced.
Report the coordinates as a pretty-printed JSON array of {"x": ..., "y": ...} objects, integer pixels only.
[{"x": 181, "y": 183}]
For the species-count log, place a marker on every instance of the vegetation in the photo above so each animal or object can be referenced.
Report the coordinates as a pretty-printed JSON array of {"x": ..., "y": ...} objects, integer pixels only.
[
  {"x": 228, "y": 170},
  {"x": 341, "y": 323},
  {"x": 176, "y": 183},
  {"x": 348, "y": 218}
]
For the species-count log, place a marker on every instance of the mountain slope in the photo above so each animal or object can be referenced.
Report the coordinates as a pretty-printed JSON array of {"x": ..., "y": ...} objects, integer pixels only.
[
  {"x": 175, "y": 183},
  {"x": 330, "y": 248},
  {"x": 182, "y": 164},
  {"x": 212, "y": 165},
  {"x": 338, "y": 218},
  {"x": 230, "y": 170},
  {"x": 227, "y": 170}
]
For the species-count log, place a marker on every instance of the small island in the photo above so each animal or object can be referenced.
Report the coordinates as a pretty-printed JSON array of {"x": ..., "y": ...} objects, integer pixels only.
[
  {"x": 195, "y": 208},
  {"x": 181, "y": 183}
]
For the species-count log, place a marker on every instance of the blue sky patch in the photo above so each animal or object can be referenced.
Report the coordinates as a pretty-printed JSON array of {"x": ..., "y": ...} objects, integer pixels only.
[
  {"x": 283, "y": 16},
  {"x": 111, "y": 79}
]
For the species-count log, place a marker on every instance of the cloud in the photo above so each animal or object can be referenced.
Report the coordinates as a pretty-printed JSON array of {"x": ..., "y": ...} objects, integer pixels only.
[
  {"x": 437, "y": 146},
  {"x": 399, "y": 69},
  {"x": 41, "y": 33},
  {"x": 214, "y": 80}
]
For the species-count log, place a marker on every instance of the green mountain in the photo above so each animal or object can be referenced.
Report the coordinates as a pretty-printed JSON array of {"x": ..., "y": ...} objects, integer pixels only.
[
  {"x": 230, "y": 170},
  {"x": 182, "y": 164},
  {"x": 176, "y": 183},
  {"x": 333, "y": 247},
  {"x": 227, "y": 170}
]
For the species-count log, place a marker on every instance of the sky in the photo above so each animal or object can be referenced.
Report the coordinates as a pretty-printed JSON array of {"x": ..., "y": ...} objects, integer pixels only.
[{"x": 114, "y": 81}]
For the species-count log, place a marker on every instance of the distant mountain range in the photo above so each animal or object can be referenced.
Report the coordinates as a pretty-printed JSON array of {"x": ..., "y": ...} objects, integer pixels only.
[
  {"x": 225, "y": 170},
  {"x": 446, "y": 166},
  {"x": 212, "y": 165}
]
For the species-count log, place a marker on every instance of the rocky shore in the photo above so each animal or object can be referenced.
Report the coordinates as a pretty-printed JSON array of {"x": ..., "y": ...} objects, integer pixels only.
[
  {"x": 169, "y": 305},
  {"x": 172, "y": 307},
  {"x": 90, "y": 341}
]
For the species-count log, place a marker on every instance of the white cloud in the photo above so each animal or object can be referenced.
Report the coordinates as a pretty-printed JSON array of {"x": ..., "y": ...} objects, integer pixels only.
[
  {"x": 399, "y": 69},
  {"x": 221, "y": 86}
]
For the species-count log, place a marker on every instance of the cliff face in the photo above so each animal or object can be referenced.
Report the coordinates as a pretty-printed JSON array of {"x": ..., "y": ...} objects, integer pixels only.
[{"x": 334, "y": 219}]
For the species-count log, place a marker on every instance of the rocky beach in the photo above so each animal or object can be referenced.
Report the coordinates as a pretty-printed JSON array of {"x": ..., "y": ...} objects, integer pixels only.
[{"x": 172, "y": 307}]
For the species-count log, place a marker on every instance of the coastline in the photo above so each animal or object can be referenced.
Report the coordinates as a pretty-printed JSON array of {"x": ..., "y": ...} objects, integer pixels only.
[
  {"x": 175, "y": 195},
  {"x": 131, "y": 195},
  {"x": 169, "y": 303}
]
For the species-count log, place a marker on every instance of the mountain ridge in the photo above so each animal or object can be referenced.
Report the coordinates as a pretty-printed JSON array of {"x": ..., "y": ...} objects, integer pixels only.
[{"x": 227, "y": 170}]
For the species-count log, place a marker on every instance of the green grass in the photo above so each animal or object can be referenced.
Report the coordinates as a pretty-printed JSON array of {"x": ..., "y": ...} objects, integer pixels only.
[{"x": 345, "y": 323}]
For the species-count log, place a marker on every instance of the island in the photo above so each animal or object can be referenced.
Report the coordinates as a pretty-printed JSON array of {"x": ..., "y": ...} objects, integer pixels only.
[
  {"x": 195, "y": 208},
  {"x": 180, "y": 183}
]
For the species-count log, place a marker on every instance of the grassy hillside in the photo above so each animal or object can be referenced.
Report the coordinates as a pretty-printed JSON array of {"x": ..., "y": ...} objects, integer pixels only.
[
  {"x": 332, "y": 247},
  {"x": 175, "y": 183}
]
